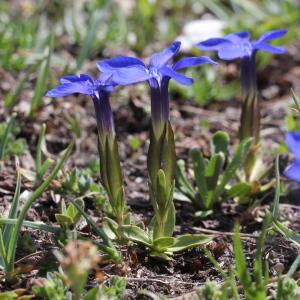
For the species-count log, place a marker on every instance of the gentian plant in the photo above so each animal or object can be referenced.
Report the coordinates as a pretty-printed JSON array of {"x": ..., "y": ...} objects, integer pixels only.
[
  {"x": 239, "y": 45},
  {"x": 161, "y": 155},
  {"x": 110, "y": 170},
  {"x": 293, "y": 142}
]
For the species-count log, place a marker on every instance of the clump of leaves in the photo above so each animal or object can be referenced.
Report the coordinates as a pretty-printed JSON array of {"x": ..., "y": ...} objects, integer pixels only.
[
  {"x": 213, "y": 176},
  {"x": 69, "y": 216},
  {"x": 78, "y": 182},
  {"x": 115, "y": 289},
  {"x": 52, "y": 287}
]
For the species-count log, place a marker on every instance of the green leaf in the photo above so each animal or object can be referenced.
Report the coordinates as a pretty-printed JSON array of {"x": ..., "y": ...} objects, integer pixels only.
[
  {"x": 92, "y": 294},
  {"x": 220, "y": 143},
  {"x": 236, "y": 162},
  {"x": 188, "y": 241},
  {"x": 183, "y": 182},
  {"x": 161, "y": 244},
  {"x": 114, "y": 178},
  {"x": 7, "y": 231},
  {"x": 275, "y": 211},
  {"x": 111, "y": 228},
  {"x": 170, "y": 221},
  {"x": 72, "y": 211},
  {"x": 64, "y": 220},
  {"x": 199, "y": 171},
  {"x": 240, "y": 260},
  {"x": 168, "y": 156},
  {"x": 161, "y": 194},
  {"x": 4, "y": 137},
  {"x": 241, "y": 189},
  {"x": 160, "y": 255},
  {"x": 287, "y": 232},
  {"x": 15, "y": 234},
  {"x": 135, "y": 234},
  {"x": 109, "y": 247},
  {"x": 212, "y": 173}
]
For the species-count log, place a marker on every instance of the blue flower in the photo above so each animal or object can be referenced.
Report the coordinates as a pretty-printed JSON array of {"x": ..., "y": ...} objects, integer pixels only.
[
  {"x": 98, "y": 90},
  {"x": 293, "y": 142},
  {"x": 129, "y": 70},
  {"x": 238, "y": 45}
]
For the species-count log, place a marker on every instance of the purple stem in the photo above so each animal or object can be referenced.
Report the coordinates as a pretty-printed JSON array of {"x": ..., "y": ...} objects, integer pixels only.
[{"x": 104, "y": 115}]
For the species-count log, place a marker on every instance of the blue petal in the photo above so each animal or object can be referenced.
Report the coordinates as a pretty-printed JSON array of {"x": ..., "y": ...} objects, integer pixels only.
[
  {"x": 232, "y": 51},
  {"x": 293, "y": 141},
  {"x": 66, "y": 89},
  {"x": 117, "y": 62},
  {"x": 192, "y": 61},
  {"x": 169, "y": 72},
  {"x": 130, "y": 75},
  {"x": 125, "y": 69},
  {"x": 271, "y": 35},
  {"x": 269, "y": 48},
  {"x": 160, "y": 59},
  {"x": 239, "y": 37},
  {"x": 75, "y": 78},
  {"x": 293, "y": 171},
  {"x": 213, "y": 44}
]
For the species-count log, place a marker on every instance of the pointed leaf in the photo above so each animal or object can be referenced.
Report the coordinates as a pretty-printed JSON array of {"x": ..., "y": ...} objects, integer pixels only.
[
  {"x": 135, "y": 234},
  {"x": 237, "y": 161},
  {"x": 183, "y": 182},
  {"x": 241, "y": 189},
  {"x": 188, "y": 241},
  {"x": 199, "y": 170},
  {"x": 161, "y": 244},
  {"x": 64, "y": 220},
  {"x": 240, "y": 260}
]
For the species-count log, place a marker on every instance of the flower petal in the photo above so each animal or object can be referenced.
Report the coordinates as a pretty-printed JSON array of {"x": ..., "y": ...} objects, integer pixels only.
[
  {"x": 160, "y": 59},
  {"x": 212, "y": 44},
  {"x": 232, "y": 51},
  {"x": 293, "y": 171},
  {"x": 238, "y": 37},
  {"x": 117, "y": 62},
  {"x": 293, "y": 141},
  {"x": 75, "y": 78},
  {"x": 125, "y": 69},
  {"x": 169, "y": 72},
  {"x": 269, "y": 48},
  {"x": 66, "y": 89},
  {"x": 130, "y": 75},
  {"x": 192, "y": 61},
  {"x": 271, "y": 35}
]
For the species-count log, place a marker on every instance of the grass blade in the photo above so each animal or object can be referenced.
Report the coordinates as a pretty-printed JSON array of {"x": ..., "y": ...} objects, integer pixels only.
[
  {"x": 42, "y": 77},
  {"x": 38, "y": 192},
  {"x": 13, "y": 211},
  {"x": 4, "y": 138}
]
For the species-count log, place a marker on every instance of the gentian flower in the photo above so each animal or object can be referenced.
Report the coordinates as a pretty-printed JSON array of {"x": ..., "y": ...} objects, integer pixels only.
[
  {"x": 99, "y": 90},
  {"x": 128, "y": 70},
  {"x": 293, "y": 142},
  {"x": 161, "y": 155},
  {"x": 238, "y": 45}
]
